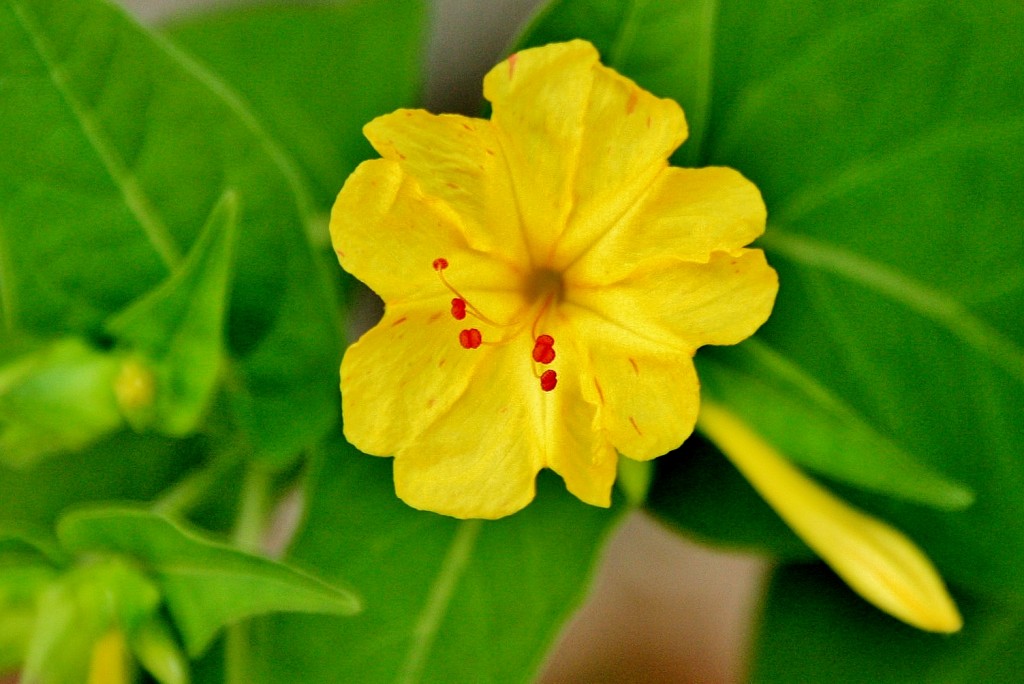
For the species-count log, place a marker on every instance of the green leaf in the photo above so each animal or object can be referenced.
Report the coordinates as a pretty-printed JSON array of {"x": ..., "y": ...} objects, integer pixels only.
[
  {"x": 814, "y": 629},
  {"x": 446, "y": 600},
  {"x": 887, "y": 142},
  {"x": 125, "y": 466},
  {"x": 179, "y": 326},
  {"x": 116, "y": 147},
  {"x": 315, "y": 74},
  {"x": 19, "y": 540},
  {"x": 666, "y": 47},
  {"x": 21, "y": 585},
  {"x": 58, "y": 397},
  {"x": 158, "y": 651},
  {"x": 699, "y": 491},
  {"x": 773, "y": 395},
  {"x": 77, "y": 610},
  {"x": 205, "y": 585}
]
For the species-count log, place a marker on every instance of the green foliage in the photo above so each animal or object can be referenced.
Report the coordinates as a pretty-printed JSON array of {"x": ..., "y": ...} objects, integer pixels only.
[
  {"x": 815, "y": 631},
  {"x": 458, "y": 600},
  {"x": 205, "y": 585},
  {"x": 178, "y": 329},
  {"x": 886, "y": 139},
  {"x": 132, "y": 193},
  {"x": 77, "y": 609},
  {"x": 163, "y": 203},
  {"x": 315, "y": 75},
  {"x": 833, "y": 439},
  {"x": 55, "y": 397}
]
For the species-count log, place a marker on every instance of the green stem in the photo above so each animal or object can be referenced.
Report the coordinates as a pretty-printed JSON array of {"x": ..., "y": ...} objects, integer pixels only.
[
  {"x": 189, "y": 491},
  {"x": 252, "y": 509},
  {"x": 248, "y": 536}
]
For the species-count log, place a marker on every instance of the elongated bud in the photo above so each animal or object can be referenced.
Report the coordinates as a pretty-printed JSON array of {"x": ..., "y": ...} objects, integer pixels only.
[{"x": 875, "y": 560}]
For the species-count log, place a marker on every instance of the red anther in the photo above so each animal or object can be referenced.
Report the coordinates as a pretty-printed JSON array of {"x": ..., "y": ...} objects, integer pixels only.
[
  {"x": 543, "y": 352},
  {"x": 548, "y": 380},
  {"x": 470, "y": 338},
  {"x": 458, "y": 308},
  {"x": 440, "y": 264},
  {"x": 543, "y": 355}
]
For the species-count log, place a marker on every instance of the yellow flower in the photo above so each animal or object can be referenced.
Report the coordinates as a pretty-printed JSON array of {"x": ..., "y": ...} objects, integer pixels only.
[{"x": 547, "y": 278}]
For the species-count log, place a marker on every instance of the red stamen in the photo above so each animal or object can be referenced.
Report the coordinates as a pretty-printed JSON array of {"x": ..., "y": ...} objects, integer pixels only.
[
  {"x": 470, "y": 338},
  {"x": 543, "y": 350},
  {"x": 458, "y": 308},
  {"x": 440, "y": 264},
  {"x": 548, "y": 380}
]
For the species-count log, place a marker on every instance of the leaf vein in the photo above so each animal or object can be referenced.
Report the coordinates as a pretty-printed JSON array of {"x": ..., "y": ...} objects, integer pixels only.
[
  {"x": 941, "y": 308},
  {"x": 438, "y": 599},
  {"x": 127, "y": 182}
]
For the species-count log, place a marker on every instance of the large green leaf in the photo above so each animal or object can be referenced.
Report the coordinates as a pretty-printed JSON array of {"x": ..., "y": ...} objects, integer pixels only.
[
  {"x": 815, "y": 630},
  {"x": 446, "y": 600},
  {"x": 205, "y": 585},
  {"x": 786, "y": 406},
  {"x": 116, "y": 146},
  {"x": 887, "y": 141},
  {"x": 315, "y": 74}
]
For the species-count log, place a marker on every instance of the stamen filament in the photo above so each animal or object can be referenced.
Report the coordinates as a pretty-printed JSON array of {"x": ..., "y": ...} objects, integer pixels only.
[{"x": 440, "y": 264}]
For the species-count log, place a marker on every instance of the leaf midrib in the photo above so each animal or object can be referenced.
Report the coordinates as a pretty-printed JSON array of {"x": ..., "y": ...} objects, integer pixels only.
[
  {"x": 941, "y": 308},
  {"x": 141, "y": 207},
  {"x": 439, "y": 596}
]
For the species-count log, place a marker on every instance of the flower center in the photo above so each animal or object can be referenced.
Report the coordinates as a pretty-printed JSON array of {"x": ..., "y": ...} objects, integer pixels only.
[
  {"x": 545, "y": 283},
  {"x": 543, "y": 287}
]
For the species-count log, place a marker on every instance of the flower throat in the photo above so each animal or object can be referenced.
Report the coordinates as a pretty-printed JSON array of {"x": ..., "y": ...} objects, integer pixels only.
[{"x": 546, "y": 284}]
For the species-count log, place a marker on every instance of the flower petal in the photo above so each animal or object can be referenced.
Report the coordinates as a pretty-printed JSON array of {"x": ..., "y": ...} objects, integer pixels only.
[
  {"x": 687, "y": 214},
  {"x": 402, "y": 374},
  {"x": 877, "y": 561},
  {"x": 668, "y": 305},
  {"x": 387, "y": 233},
  {"x": 647, "y": 403},
  {"x": 582, "y": 142},
  {"x": 575, "y": 447},
  {"x": 456, "y": 159},
  {"x": 479, "y": 458}
]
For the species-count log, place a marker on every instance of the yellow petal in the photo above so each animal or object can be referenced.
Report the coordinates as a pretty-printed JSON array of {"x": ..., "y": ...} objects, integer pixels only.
[
  {"x": 402, "y": 375},
  {"x": 480, "y": 457},
  {"x": 575, "y": 446},
  {"x": 687, "y": 214},
  {"x": 458, "y": 160},
  {"x": 387, "y": 233},
  {"x": 877, "y": 561},
  {"x": 672, "y": 306},
  {"x": 647, "y": 401},
  {"x": 581, "y": 141}
]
